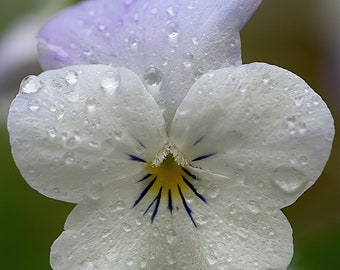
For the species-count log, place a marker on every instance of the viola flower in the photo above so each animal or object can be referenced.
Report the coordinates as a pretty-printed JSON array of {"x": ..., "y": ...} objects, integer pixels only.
[{"x": 178, "y": 156}]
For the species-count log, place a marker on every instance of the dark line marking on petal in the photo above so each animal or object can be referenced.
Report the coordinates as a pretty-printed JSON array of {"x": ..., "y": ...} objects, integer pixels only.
[
  {"x": 155, "y": 211},
  {"x": 170, "y": 201},
  {"x": 203, "y": 157},
  {"x": 140, "y": 143},
  {"x": 141, "y": 196},
  {"x": 135, "y": 158},
  {"x": 190, "y": 174},
  {"x": 144, "y": 178},
  {"x": 194, "y": 189},
  {"x": 186, "y": 206},
  {"x": 199, "y": 140}
]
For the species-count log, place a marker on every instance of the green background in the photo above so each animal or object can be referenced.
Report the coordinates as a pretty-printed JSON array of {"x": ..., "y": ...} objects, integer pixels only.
[{"x": 292, "y": 34}]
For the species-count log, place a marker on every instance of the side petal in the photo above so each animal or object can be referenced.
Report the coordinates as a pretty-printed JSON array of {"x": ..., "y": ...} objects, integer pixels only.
[
  {"x": 82, "y": 126},
  {"x": 259, "y": 122},
  {"x": 160, "y": 41},
  {"x": 107, "y": 234}
]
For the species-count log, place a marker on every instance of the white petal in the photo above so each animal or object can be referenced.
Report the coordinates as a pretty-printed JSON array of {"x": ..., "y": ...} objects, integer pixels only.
[
  {"x": 260, "y": 122},
  {"x": 107, "y": 234},
  {"x": 76, "y": 127}
]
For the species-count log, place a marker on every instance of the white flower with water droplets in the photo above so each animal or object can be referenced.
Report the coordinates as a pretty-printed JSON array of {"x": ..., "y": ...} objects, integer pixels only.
[{"x": 176, "y": 165}]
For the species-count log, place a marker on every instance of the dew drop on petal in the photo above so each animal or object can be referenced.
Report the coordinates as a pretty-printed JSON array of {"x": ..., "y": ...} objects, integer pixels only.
[
  {"x": 110, "y": 81},
  {"x": 172, "y": 30},
  {"x": 30, "y": 85},
  {"x": 96, "y": 190},
  {"x": 126, "y": 227},
  {"x": 33, "y": 105},
  {"x": 118, "y": 134},
  {"x": 153, "y": 76},
  {"x": 69, "y": 158},
  {"x": 52, "y": 132},
  {"x": 213, "y": 191},
  {"x": 188, "y": 59},
  {"x": 288, "y": 180},
  {"x": 71, "y": 77},
  {"x": 195, "y": 40},
  {"x": 133, "y": 43},
  {"x": 129, "y": 262},
  {"x": 254, "y": 207}
]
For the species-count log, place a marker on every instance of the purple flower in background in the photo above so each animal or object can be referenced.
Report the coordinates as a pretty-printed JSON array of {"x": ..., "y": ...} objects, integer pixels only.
[{"x": 178, "y": 156}]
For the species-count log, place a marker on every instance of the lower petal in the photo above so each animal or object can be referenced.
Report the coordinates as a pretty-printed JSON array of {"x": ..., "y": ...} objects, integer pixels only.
[{"x": 106, "y": 233}]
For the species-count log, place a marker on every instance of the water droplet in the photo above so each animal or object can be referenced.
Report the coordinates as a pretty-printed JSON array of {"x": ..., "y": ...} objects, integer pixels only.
[
  {"x": 232, "y": 209},
  {"x": 198, "y": 73},
  {"x": 213, "y": 191},
  {"x": 118, "y": 206},
  {"x": 96, "y": 190},
  {"x": 60, "y": 114},
  {"x": 101, "y": 27},
  {"x": 53, "y": 108},
  {"x": 72, "y": 96},
  {"x": 118, "y": 134},
  {"x": 153, "y": 76},
  {"x": 172, "y": 30},
  {"x": 69, "y": 158},
  {"x": 107, "y": 144},
  {"x": 242, "y": 232},
  {"x": 195, "y": 40},
  {"x": 133, "y": 42},
  {"x": 71, "y": 77},
  {"x": 211, "y": 259},
  {"x": 188, "y": 59},
  {"x": 254, "y": 207},
  {"x": 302, "y": 128},
  {"x": 30, "y": 85},
  {"x": 52, "y": 132},
  {"x": 33, "y": 105},
  {"x": 303, "y": 160},
  {"x": 126, "y": 227},
  {"x": 70, "y": 142},
  {"x": 289, "y": 180},
  {"x": 265, "y": 78},
  {"x": 171, "y": 12},
  {"x": 91, "y": 104},
  {"x": 154, "y": 11},
  {"x": 171, "y": 236},
  {"x": 298, "y": 101},
  {"x": 88, "y": 52},
  {"x": 291, "y": 118},
  {"x": 110, "y": 81}
]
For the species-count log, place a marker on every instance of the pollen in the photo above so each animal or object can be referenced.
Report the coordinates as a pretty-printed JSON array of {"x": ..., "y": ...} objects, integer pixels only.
[{"x": 169, "y": 176}]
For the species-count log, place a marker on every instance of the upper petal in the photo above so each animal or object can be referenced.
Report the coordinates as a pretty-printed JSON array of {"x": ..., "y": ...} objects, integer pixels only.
[
  {"x": 168, "y": 43},
  {"x": 74, "y": 128},
  {"x": 256, "y": 125}
]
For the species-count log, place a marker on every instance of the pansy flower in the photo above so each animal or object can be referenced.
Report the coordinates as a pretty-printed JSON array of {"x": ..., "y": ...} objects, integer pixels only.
[{"x": 178, "y": 156}]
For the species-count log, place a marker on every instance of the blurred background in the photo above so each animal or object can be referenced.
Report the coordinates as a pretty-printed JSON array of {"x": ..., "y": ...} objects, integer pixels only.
[{"x": 302, "y": 36}]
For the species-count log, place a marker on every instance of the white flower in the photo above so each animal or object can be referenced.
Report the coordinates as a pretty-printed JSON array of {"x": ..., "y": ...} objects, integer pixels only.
[{"x": 171, "y": 169}]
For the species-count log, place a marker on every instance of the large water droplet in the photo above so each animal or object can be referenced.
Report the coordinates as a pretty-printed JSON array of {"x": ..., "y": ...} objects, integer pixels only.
[
  {"x": 71, "y": 77},
  {"x": 31, "y": 84},
  {"x": 110, "y": 81},
  {"x": 289, "y": 180},
  {"x": 153, "y": 76}
]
